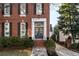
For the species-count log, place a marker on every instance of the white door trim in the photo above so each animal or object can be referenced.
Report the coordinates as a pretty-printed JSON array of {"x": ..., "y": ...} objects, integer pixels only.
[{"x": 45, "y": 27}]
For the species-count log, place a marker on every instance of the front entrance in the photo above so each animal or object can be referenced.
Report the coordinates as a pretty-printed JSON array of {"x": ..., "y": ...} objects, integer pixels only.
[{"x": 39, "y": 30}]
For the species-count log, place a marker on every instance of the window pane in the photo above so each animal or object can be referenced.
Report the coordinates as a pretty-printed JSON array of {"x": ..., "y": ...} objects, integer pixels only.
[
  {"x": 38, "y": 8},
  {"x": 6, "y": 29},
  {"x": 22, "y": 9},
  {"x": 6, "y": 9},
  {"x": 22, "y": 29}
]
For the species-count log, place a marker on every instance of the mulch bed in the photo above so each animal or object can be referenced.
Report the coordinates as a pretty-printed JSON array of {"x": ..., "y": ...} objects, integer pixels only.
[{"x": 14, "y": 48}]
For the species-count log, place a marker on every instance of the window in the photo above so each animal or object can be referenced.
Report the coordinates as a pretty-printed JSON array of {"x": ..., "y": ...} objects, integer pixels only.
[
  {"x": 22, "y": 9},
  {"x": 22, "y": 29},
  {"x": 38, "y": 8},
  {"x": 6, "y": 9},
  {"x": 6, "y": 29},
  {"x": 77, "y": 35}
]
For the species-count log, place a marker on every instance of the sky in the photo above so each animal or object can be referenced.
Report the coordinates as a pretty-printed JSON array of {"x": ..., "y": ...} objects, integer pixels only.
[{"x": 53, "y": 15}]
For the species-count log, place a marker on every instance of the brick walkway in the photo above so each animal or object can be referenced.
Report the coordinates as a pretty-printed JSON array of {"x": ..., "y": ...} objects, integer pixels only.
[
  {"x": 39, "y": 48},
  {"x": 62, "y": 51}
]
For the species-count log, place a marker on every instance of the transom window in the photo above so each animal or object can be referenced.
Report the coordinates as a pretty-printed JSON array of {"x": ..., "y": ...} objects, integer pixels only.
[{"x": 39, "y": 24}]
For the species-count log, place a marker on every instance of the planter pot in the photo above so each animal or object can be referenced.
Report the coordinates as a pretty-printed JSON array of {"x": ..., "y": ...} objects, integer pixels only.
[{"x": 51, "y": 51}]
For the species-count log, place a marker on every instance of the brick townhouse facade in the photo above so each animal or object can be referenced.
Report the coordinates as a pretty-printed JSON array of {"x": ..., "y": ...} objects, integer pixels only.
[{"x": 21, "y": 19}]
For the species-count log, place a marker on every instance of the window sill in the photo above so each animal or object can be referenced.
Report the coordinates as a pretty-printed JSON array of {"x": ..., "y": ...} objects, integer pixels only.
[
  {"x": 38, "y": 13},
  {"x": 22, "y": 15},
  {"x": 6, "y": 15}
]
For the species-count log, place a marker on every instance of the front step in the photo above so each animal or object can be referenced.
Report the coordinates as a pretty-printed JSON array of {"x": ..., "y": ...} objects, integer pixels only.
[{"x": 39, "y": 43}]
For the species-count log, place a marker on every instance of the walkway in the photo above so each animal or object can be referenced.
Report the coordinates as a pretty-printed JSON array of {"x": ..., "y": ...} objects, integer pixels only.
[
  {"x": 39, "y": 51},
  {"x": 39, "y": 48},
  {"x": 62, "y": 51}
]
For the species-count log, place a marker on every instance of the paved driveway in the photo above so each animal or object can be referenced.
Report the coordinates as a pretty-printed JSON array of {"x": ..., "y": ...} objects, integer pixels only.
[{"x": 62, "y": 51}]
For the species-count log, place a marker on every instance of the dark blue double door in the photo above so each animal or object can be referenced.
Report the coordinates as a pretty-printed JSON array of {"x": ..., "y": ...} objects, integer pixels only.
[{"x": 39, "y": 32}]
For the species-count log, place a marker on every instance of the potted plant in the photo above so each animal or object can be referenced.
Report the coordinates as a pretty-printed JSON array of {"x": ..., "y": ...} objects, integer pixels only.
[{"x": 50, "y": 45}]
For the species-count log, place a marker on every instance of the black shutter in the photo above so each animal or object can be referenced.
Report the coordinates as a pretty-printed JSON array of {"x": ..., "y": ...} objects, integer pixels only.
[
  {"x": 18, "y": 8},
  {"x": 2, "y": 29},
  {"x": 26, "y": 27},
  {"x": 10, "y": 9},
  {"x": 26, "y": 9},
  {"x": 10, "y": 29},
  {"x": 19, "y": 29},
  {"x": 34, "y": 8},
  {"x": 2, "y": 9},
  {"x": 42, "y": 8}
]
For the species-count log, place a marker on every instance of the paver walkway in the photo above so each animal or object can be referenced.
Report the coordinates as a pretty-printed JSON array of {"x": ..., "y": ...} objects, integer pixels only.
[
  {"x": 39, "y": 48},
  {"x": 62, "y": 51},
  {"x": 39, "y": 51}
]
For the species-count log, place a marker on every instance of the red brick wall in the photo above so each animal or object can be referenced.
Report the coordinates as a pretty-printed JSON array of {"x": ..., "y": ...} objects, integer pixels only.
[{"x": 15, "y": 18}]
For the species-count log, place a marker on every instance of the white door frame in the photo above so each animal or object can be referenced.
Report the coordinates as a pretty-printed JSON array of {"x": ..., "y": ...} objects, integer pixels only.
[{"x": 45, "y": 27}]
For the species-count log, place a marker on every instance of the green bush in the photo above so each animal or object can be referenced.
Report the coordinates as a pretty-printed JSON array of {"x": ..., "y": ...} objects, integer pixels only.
[
  {"x": 50, "y": 47},
  {"x": 78, "y": 45},
  {"x": 53, "y": 37},
  {"x": 28, "y": 43},
  {"x": 15, "y": 42},
  {"x": 74, "y": 45},
  {"x": 50, "y": 43},
  {"x": 4, "y": 42}
]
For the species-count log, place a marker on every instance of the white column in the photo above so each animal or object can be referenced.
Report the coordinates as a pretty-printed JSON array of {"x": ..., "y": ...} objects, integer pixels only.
[
  {"x": 45, "y": 34},
  {"x": 33, "y": 37}
]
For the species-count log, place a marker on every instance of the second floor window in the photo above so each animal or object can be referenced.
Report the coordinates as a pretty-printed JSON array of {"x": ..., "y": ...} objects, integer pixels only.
[
  {"x": 22, "y": 9},
  {"x": 6, "y": 29},
  {"x": 6, "y": 9},
  {"x": 38, "y": 8}
]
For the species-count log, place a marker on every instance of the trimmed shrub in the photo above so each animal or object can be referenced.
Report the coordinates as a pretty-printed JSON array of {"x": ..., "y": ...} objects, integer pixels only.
[
  {"x": 28, "y": 43},
  {"x": 15, "y": 42},
  {"x": 50, "y": 43},
  {"x": 4, "y": 42},
  {"x": 50, "y": 46},
  {"x": 75, "y": 45}
]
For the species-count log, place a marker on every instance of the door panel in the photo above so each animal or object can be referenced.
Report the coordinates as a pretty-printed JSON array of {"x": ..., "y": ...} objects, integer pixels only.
[{"x": 39, "y": 30}]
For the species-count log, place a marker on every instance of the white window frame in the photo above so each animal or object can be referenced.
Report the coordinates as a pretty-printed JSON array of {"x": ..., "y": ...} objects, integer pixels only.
[
  {"x": 6, "y": 10},
  {"x": 22, "y": 9},
  {"x": 22, "y": 29},
  {"x": 39, "y": 8},
  {"x": 6, "y": 25}
]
